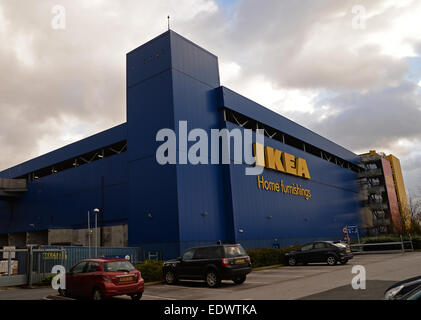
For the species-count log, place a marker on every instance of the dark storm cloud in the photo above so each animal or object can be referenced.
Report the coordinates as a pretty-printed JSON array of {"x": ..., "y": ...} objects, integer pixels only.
[
  {"x": 376, "y": 118},
  {"x": 307, "y": 44},
  {"x": 57, "y": 82}
]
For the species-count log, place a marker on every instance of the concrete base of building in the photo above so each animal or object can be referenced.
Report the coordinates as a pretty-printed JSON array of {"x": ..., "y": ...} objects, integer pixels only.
[{"x": 114, "y": 236}]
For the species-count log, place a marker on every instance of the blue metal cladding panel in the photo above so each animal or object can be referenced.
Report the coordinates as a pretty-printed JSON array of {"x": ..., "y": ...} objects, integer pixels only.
[
  {"x": 148, "y": 60},
  {"x": 238, "y": 103},
  {"x": 153, "y": 190},
  {"x": 149, "y": 109},
  {"x": 199, "y": 191},
  {"x": 333, "y": 203},
  {"x": 102, "y": 139},
  {"x": 152, "y": 187},
  {"x": 194, "y": 61},
  {"x": 195, "y": 75},
  {"x": 62, "y": 200}
]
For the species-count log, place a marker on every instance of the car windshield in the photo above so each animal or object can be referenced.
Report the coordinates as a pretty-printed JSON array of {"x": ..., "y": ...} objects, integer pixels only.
[
  {"x": 234, "y": 251},
  {"x": 118, "y": 266}
]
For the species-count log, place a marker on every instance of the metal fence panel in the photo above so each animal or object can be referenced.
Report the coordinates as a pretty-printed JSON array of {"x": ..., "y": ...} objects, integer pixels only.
[
  {"x": 40, "y": 261},
  {"x": 13, "y": 266},
  {"x": 72, "y": 254}
]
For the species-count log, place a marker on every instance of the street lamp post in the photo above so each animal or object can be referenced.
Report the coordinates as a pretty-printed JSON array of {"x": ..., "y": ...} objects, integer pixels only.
[
  {"x": 96, "y": 212},
  {"x": 89, "y": 234}
]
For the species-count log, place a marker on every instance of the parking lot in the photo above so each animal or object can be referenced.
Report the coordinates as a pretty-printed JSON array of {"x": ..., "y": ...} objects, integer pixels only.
[{"x": 317, "y": 281}]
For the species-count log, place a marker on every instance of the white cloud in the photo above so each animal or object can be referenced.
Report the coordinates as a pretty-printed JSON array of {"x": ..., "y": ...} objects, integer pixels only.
[{"x": 301, "y": 59}]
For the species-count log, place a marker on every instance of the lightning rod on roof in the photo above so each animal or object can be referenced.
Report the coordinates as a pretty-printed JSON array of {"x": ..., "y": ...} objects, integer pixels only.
[{"x": 168, "y": 22}]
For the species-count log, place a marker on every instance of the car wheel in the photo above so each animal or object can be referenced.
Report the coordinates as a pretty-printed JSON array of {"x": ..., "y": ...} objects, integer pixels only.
[
  {"x": 331, "y": 260},
  {"x": 212, "y": 279},
  {"x": 62, "y": 292},
  {"x": 292, "y": 261},
  {"x": 344, "y": 261},
  {"x": 239, "y": 279},
  {"x": 136, "y": 296},
  {"x": 170, "y": 277},
  {"x": 96, "y": 294}
]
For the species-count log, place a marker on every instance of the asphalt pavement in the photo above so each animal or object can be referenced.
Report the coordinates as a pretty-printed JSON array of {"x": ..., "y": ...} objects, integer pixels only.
[{"x": 313, "y": 281}]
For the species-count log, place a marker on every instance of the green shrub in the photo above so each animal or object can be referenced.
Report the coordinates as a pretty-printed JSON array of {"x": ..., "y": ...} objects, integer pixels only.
[
  {"x": 46, "y": 281},
  {"x": 267, "y": 256},
  {"x": 151, "y": 270}
]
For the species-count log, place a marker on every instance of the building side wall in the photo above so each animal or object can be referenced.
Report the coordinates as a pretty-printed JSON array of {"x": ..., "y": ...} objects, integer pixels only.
[
  {"x": 400, "y": 190},
  {"x": 62, "y": 200},
  {"x": 102, "y": 139},
  {"x": 261, "y": 216},
  {"x": 234, "y": 101},
  {"x": 391, "y": 196},
  {"x": 202, "y": 215},
  {"x": 153, "y": 203}
]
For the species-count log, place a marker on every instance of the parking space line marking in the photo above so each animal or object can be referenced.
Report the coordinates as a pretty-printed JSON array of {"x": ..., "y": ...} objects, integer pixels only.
[{"x": 162, "y": 298}]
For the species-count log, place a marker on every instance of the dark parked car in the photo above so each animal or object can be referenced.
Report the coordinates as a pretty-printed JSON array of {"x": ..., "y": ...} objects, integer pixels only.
[
  {"x": 413, "y": 295},
  {"x": 320, "y": 251},
  {"x": 403, "y": 289},
  {"x": 103, "y": 277},
  {"x": 212, "y": 264}
]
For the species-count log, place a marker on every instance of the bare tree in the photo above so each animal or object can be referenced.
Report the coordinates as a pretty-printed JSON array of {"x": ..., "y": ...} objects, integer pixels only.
[{"x": 414, "y": 204}]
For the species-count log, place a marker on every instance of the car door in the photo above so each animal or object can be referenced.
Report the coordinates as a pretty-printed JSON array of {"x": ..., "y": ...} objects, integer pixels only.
[
  {"x": 74, "y": 278},
  {"x": 203, "y": 258},
  {"x": 87, "y": 278},
  {"x": 185, "y": 266},
  {"x": 305, "y": 253},
  {"x": 199, "y": 262},
  {"x": 319, "y": 252}
]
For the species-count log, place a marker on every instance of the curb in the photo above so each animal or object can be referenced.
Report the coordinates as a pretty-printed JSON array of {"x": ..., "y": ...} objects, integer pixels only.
[
  {"x": 153, "y": 283},
  {"x": 57, "y": 297},
  {"x": 268, "y": 267}
]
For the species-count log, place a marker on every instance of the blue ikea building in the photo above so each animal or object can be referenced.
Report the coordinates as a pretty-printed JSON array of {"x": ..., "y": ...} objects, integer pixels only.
[{"x": 168, "y": 208}]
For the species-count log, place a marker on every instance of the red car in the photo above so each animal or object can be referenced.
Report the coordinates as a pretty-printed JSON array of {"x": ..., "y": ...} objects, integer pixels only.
[{"x": 102, "y": 278}]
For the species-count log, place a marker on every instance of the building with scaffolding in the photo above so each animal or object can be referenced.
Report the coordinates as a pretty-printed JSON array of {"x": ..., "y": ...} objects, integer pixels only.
[
  {"x": 167, "y": 208},
  {"x": 383, "y": 192}
]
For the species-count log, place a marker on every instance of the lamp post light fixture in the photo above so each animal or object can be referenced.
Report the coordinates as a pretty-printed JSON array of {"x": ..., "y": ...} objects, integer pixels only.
[
  {"x": 89, "y": 235},
  {"x": 96, "y": 212}
]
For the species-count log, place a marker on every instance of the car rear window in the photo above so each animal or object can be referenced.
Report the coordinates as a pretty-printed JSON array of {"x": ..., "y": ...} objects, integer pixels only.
[
  {"x": 234, "y": 251},
  {"x": 118, "y": 266},
  {"x": 207, "y": 253}
]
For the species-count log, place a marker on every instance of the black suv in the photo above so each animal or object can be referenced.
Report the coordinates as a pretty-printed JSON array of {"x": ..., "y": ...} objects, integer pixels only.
[
  {"x": 212, "y": 264},
  {"x": 320, "y": 251}
]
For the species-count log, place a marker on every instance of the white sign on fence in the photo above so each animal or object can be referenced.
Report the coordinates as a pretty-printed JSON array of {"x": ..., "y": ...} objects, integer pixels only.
[{"x": 7, "y": 251}]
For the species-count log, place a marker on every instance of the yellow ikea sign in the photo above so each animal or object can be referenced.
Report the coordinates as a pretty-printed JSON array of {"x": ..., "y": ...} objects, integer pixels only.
[{"x": 280, "y": 161}]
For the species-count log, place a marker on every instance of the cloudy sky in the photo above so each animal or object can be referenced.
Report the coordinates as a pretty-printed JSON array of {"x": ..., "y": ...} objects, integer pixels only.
[{"x": 349, "y": 70}]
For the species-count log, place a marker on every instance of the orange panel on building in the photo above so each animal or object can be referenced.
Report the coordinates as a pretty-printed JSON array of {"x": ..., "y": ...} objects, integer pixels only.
[{"x": 391, "y": 196}]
